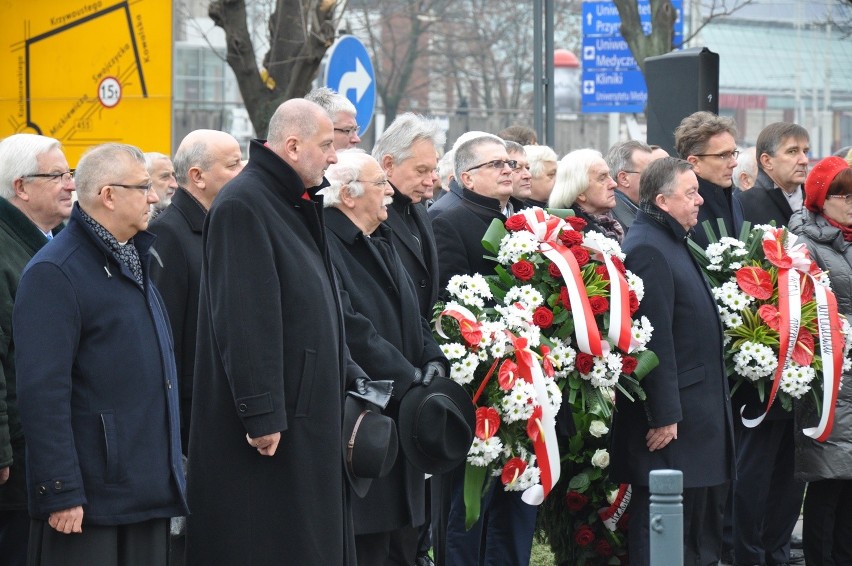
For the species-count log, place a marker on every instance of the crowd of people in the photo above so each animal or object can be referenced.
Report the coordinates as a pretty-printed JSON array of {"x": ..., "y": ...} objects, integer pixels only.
[{"x": 213, "y": 361}]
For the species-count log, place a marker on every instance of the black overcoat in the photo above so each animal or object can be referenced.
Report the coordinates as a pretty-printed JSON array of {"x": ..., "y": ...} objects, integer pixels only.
[
  {"x": 689, "y": 387},
  {"x": 176, "y": 270},
  {"x": 271, "y": 356},
  {"x": 764, "y": 202},
  {"x": 719, "y": 202},
  {"x": 388, "y": 338}
]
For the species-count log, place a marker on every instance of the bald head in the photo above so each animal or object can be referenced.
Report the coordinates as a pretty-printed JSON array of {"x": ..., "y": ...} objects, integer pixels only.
[
  {"x": 301, "y": 133},
  {"x": 205, "y": 161}
]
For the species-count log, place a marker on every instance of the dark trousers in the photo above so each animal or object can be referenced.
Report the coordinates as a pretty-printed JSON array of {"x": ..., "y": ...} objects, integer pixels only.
[
  {"x": 503, "y": 534},
  {"x": 14, "y": 534},
  {"x": 703, "y": 509},
  {"x": 137, "y": 544},
  {"x": 391, "y": 548},
  {"x": 827, "y": 528},
  {"x": 767, "y": 499}
]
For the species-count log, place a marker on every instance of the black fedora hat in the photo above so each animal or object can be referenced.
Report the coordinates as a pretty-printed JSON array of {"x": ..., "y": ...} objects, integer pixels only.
[
  {"x": 370, "y": 443},
  {"x": 436, "y": 425}
]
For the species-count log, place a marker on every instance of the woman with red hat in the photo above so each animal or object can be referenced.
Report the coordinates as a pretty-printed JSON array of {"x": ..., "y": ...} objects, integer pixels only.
[{"x": 825, "y": 225}]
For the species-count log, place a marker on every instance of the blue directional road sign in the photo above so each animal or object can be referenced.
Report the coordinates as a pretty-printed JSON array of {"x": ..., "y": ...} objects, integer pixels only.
[{"x": 349, "y": 72}]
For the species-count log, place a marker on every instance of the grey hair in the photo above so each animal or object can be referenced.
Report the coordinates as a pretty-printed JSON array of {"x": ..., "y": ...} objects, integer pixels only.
[
  {"x": 514, "y": 147},
  {"x": 331, "y": 102},
  {"x": 153, "y": 156},
  {"x": 345, "y": 173},
  {"x": 467, "y": 136},
  {"x": 772, "y": 136},
  {"x": 446, "y": 167},
  {"x": 466, "y": 153},
  {"x": 187, "y": 157},
  {"x": 572, "y": 177},
  {"x": 101, "y": 165},
  {"x": 19, "y": 157},
  {"x": 403, "y": 133},
  {"x": 537, "y": 155},
  {"x": 294, "y": 117},
  {"x": 746, "y": 163},
  {"x": 620, "y": 156},
  {"x": 660, "y": 177}
]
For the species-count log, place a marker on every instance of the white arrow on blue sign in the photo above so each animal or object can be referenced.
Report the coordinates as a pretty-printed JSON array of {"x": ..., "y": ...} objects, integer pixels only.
[{"x": 349, "y": 72}]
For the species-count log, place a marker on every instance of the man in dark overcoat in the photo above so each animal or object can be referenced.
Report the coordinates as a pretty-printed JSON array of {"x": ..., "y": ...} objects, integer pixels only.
[
  {"x": 387, "y": 337},
  {"x": 204, "y": 162},
  {"x": 685, "y": 422},
  {"x": 266, "y": 478},
  {"x": 100, "y": 412},
  {"x": 767, "y": 499}
]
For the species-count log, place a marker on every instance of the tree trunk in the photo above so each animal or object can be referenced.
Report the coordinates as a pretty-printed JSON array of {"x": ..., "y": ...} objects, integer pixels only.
[{"x": 659, "y": 42}]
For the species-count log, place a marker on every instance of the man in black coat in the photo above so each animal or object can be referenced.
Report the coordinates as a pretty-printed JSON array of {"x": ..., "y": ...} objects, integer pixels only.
[
  {"x": 708, "y": 143},
  {"x": 685, "y": 422},
  {"x": 767, "y": 499},
  {"x": 204, "y": 162},
  {"x": 388, "y": 338},
  {"x": 266, "y": 480},
  {"x": 626, "y": 162}
]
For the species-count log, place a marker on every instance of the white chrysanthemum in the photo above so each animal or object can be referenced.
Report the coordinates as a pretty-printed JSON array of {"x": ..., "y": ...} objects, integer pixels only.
[
  {"x": 527, "y": 295},
  {"x": 642, "y": 332},
  {"x": 563, "y": 356},
  {"x": 601, "y": 375},
  {"x": 453, "y": 350},
  {"x": 635, "y": 284},
  {"x": 515, "y": 245},
  {"x": 607, "y": 246},
  {"x": 533, "y": 335},
  {"x": 483, "y": 452},
  {"x": 531, "y": 476},
  {"x": 754, "y": 361},
  {"x": 469, "y": 289},
  {"x": 729, "y": 294},
  {"x": 796, "y": 380},
  {"x": 554, "y": 394},
  {"x": 517, "y": 404},
  {"x": 462, "y": 371},
  {"x": 731, "y": 320}
]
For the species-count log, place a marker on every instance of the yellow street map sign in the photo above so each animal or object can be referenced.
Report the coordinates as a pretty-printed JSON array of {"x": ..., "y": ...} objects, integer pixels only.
[{"x": 87, "y": 72}]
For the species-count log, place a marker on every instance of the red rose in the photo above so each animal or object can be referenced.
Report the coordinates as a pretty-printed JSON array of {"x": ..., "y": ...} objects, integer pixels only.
[
  {"x": 523, "y": 270},
  {"x": 584, "y": 536},
  {"x": 553, "y": 269},
  {"x": 584, "y": 362},
  {"x": 603, "y": 272},
  {"x": 576, "y": 222},
  {"x": 634, "y": 302},
  {"x": 570, "y": 237},
  {"x": 603, "y": 548},
  {"x": 575, "y": 501},
  {"x": 581, "y": 255},
  {"x": 618, "y": 264},
  {"x": 628, "y": 364},
  {"x": 543, "y": 317},
  {"x": 563, "y": 298},
  {"x": 516, "y": 222},
  {"x": 599, "y": 304}
]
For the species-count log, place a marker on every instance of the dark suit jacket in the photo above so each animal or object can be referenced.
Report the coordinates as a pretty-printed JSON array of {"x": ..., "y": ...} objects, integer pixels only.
[
  {"x": 718, "y": 203},
  {"x": 448, "y": 201},
  {"x": 388, "y": 338},
  {"x": 178, "y": 245},
  {"x": 624, "y": 211},
  {"x": 418, "y": 252},
  {"x": 764, "y": 202},
  {"x": 689, "y": 387}
]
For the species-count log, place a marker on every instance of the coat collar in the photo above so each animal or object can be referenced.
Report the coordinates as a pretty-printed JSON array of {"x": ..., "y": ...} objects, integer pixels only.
[
  {"x": 288, "y": 183},
  {"x": 190, "y": 208},
  {"x": 28, "y": 233}
]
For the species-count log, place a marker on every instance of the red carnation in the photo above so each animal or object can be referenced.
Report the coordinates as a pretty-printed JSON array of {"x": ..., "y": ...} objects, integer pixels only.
[
  {"x": 628, "y": 364},
  {"x": 581, "y": 255},
  {"x": 584, "y": 536},
  {"x": 554, "y": 271},
  {"x": 584, "y": 362},
  {"x": 576, "y": 222},
  {"x": 634, "y": 302},
  {"x": 599, "y": 304},
  {"x": 603, "y": 548},
  {"x": 543, "y": 317},
  {"x": 523, "y": 270},
  {"x": 563, "y": 298},
  {"x": 570, "y": 237},
  {"x": 516, "y": 222},
  {"x": 618, "y": 264},
  {"x": 575, "y": 501}
]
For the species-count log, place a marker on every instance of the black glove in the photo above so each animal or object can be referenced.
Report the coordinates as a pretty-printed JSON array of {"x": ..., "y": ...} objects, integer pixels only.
[{"x": 429, "y": 371}]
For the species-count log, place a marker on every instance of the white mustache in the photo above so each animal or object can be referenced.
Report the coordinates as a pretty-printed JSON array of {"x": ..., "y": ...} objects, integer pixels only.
[{"x": 388, "y": 201}]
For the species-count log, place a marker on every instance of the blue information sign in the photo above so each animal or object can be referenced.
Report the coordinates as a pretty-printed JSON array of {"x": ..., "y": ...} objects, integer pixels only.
[
  {"x": 612, "y": 81},
  {"x": 349, "y": 72}
]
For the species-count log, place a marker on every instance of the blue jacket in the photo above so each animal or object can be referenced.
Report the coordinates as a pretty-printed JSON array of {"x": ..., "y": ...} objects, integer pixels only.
[{"x": 97, "y": 386}]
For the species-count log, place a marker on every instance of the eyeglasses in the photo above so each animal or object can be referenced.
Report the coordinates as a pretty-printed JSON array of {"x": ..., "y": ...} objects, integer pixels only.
[
  {"x": 496, "y": 164},
  {"x": 381, "y": 183},
  {"x": 626, "y": 171},
  {"x": 147, "y": 188},
  {"x": 724, "y": 156},
  {"x": 65, "y": 176},
  {"x": 847, "y": 198},
  {"x": 348, "y": 131}
]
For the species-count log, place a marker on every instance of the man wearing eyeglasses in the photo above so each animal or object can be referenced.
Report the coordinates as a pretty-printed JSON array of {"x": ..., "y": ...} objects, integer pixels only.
[
  {"x": 36, "y": 186},
  {"x": 342, "y": 113},
  {"x": 100, "y": 412},
  {"x": 767, "y": 499},
  {"x": 708, "y": 143}
]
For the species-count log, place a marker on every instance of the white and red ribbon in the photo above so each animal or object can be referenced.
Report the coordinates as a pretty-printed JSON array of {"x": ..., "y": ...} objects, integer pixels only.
[
  {"x": 831, "y": 350},
  {"x": 612, "y": 514}
]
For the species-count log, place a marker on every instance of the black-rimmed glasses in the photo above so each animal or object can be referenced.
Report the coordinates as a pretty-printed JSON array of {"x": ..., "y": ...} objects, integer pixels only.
[
  {"x": 724, "y": 156},
  {"x": 147, "y": 188},
  {"x": 65, "y": 176},
  {"x": 496, "y": 164},
  {"x": 347, "y": 131}
]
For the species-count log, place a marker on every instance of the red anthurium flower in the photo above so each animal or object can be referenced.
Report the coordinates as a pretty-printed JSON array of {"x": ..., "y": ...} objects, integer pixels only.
[
  {"x": 487, "y": 422},
  {"x": 534, "y": 430},
  {"x": 770, "y": 315},
  {"x": 775, "y": 253},
  {"x": 471, "y": 331},
  {"x": 755, "y": 282},
  {"x": 807, "y": 289},
  {"x": 523, "y": 355},
  {"x": 803, "y": 351},
  {"x": 512, "y": 470},
  {"x": 507, "y": 375},
  {"x": 547, "y": 361}
]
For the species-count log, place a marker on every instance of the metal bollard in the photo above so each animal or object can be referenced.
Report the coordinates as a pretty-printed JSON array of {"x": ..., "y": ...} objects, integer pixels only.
[{"x": 666, "y": 517}]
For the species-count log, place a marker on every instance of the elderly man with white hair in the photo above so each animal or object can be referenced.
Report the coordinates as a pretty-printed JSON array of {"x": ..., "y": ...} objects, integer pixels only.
[
  {"x": 162, "y": 173},
  {"x": 387, "y": 337},
  {"x": 542, "y": 161}
]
